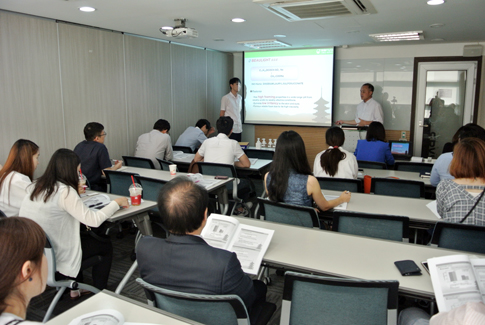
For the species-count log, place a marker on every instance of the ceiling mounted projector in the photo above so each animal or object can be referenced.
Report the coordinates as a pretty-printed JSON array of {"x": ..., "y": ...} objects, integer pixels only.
[{"x": 179, "y": 30}]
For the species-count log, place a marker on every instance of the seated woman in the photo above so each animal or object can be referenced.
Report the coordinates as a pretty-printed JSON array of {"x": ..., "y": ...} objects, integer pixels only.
[
  {"x": 290, "y": 179},
  {"x": 460, "y": 200},
  {"x": 374, "y": 147},
  {"x": 54, "y": 203},
  {"x": 16, "y": 175},
  {"x": 335, "y": 161},
  {"x": 23, "y": 271}
]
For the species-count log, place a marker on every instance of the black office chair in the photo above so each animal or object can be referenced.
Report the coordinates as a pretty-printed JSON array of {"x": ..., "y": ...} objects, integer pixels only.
[
  {"x": 119, "y": 182},
  {"x": 371, "y": 164},
  {"x": 2, "y": 214},
  {"x": 294, "y": 215},
  {"x": 397, "y": 187},
  {"x": 164, "y": 164},
  {"x": 462, "y": 237},
  {"x": 260, "y": 154},
  {"x": 341, "y": 184},
  {"x": 314, "y": 299},
  {"x": 138, "y": 162},
  {"x": 183, "y": 149},
  {"x": 407, "y": 166},
  {"x": 372, "y": 225}
]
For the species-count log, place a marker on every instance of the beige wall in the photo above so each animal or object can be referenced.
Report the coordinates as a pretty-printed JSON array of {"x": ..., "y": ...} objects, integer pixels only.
[{"x": 56, "y": 77}]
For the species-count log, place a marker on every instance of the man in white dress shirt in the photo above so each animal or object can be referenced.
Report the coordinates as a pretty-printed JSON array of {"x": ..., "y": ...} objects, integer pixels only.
[
  {"x": 155, "y": 144},
  {"x": 368, "y": 110},
  {"x": 231, "y": 106}
]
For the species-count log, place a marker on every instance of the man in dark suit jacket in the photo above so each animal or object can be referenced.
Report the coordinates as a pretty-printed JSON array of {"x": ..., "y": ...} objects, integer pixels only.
[{"x": 184, "y": 261}]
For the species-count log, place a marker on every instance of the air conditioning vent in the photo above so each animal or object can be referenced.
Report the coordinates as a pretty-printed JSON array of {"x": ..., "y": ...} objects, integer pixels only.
[{"x": 304, "y": 10}]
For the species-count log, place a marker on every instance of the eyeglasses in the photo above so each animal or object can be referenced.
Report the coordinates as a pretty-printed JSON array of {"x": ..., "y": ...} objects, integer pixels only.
[{"x": 103, "y": 135}]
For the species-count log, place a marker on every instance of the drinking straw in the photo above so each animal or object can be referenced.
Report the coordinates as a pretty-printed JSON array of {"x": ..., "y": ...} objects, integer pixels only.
[
  {"x": 81, "y": 172},
  {"x": 133, "y": 181}
]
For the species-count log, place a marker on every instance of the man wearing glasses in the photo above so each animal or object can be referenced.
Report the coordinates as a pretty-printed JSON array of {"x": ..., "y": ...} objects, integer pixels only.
[{"x": 94, "y": 156}]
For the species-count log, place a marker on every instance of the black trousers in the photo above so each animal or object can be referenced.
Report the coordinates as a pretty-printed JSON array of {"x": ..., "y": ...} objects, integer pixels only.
[
  {"x": 236, "y": 136},
  {"x": 100, "y": 272},
  {"x": 256, "y": 309}
]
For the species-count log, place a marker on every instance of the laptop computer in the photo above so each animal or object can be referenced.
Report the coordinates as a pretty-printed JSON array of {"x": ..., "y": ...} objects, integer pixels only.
[{"x": 401, "y": 150}]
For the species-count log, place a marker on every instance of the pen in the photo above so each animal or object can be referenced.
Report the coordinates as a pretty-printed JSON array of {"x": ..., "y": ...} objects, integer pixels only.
[{"x": 96, "y": 204}]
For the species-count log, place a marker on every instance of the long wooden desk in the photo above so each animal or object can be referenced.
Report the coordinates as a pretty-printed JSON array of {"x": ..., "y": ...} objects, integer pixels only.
[
  {"x": 383, "y": 173},
  {"x": 259, "y": 166},
  {"x": 419, "y": 215},
  {"x": 132, "y": 310},
  {"x": 342, "y": 255}
]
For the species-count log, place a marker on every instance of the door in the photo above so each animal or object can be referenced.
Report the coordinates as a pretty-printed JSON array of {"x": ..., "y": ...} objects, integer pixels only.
[{"x": 445, "y": 99}]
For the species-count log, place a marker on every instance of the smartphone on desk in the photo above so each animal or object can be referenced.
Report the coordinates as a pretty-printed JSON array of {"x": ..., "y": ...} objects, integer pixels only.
[{"x": 221, "y": 177}]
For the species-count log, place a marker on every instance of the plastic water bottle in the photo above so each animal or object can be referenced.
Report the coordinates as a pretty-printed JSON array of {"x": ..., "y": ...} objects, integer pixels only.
[
  {"x": 263, "y": 144},
  {"x": 258, "y": 144},
  {"x": 270, "y": 144},
  {"x": 274, "y": 143}
]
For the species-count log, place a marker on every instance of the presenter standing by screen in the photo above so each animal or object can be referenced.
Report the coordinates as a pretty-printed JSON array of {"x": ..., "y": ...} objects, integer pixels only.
[
  {"x": 231, "y": 106},
  {"x": 368, "y": 110}
]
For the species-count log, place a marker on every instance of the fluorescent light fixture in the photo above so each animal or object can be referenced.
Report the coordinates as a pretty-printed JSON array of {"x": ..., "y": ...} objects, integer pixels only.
[
  {"x": 87, "y": 9},
  {"x": 166, "y": 28},
  {"x": 238, "y": 20},
  {"x": 264, "y": 44},
  {"x": 279, "y": 36},
  {"x": 437, "y": 25},
  {"x": 399, "y": 36},
  {"x": 435, "y": 2}
]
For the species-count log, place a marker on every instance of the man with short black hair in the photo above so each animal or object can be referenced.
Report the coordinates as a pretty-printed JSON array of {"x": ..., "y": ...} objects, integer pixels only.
[
  {"x": 184, "y": 261},
  {"x": 94, "y": 156},
  {"x": 193, "y": 137},
  {"x": 155, "y": 144},
  {"x": 368, "y": 110},
  {"x": 231, "y": 106}
]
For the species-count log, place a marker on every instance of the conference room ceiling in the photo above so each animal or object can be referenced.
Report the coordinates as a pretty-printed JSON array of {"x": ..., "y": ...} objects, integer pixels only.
[{"x": 462, "y": 19}]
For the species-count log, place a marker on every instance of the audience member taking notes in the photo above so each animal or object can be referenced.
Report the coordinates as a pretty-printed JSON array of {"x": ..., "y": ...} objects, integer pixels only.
[
  {"x": 290, "y": 179},
  {"x": 335, "y": 161},
  {"x": 54, "y": 203},
  {"x": 94, "y": 155},
  {"x": 155, "y": 144},
  {"x": 193, "y": 137},
  {"x": 16, "y": 175},
  {"x": 368, "y": 110},
  {"x": 23, "y": 271},
  {"x": 184, "y": 261},
  {"x": 374, "y": 147}
]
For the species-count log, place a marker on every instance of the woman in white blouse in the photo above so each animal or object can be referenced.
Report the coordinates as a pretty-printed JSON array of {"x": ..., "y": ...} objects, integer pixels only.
[
  {"x": 23, "y": 270},
  {"x": 55, "y": 204},
  {"x": 16, "y": 175},
  {"x": 335, "y": 161}
]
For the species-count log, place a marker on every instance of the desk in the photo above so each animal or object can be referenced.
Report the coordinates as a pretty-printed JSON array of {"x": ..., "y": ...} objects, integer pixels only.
[
  {"x": 342, "y": 255},
  {"x": 419, "y": 215},
  {"x": 218, "y": 188},
  {"x": 133, "y": 311},
  {"x": 383, "y": 173}
]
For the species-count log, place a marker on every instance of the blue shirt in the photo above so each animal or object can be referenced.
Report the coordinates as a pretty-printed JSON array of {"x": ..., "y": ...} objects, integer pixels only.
[
  {"x": 441, "y": 169},
  {"x": 374, "y": 151},
  {"x": 192, "y": 137}
]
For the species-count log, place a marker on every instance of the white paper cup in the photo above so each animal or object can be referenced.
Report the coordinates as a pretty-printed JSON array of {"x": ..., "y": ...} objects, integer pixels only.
[{"x": 173, "y": 169}]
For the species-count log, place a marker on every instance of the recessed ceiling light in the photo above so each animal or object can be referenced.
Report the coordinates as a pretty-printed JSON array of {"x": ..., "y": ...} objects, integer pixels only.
[
  {"x": 399, "y": 36},
  {"x": 437, "y": 39},
  {"x": 435, "y": 2},
  {"x": 218, "y": 39},
  {"x": 238, "y": 20},
  {"x": 279, "y": 35},
  {"x": 87, "y": 9},
  {"x": 166, "y": 28},
  {"x": 437, "y": 25}
]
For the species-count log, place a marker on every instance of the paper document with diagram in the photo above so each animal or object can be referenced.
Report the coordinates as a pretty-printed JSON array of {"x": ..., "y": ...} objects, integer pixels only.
[
  {"x": 248, "y": 242},
  {"x": 457, "y": 279}
]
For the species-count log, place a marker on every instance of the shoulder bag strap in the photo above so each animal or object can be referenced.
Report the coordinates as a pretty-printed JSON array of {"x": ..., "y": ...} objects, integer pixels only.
[{"x": 469, "y": 212}]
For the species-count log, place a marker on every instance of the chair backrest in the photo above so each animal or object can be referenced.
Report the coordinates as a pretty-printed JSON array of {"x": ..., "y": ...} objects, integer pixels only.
[
  {"x": 214, "y": 169},
  {"x": 51, "y": 266},
  {"x": 260, "y": 154},
  {"x": 164, "y": 164},
  {"x": 119, "y": 182},
  {"x": 138, "y": 162},
  {"x": 2, "y": 214},
  {"x": 183, "y": 149},
  {"x": 397, "y": 187},
  {"x": 287, "y": 213},
  {"x": 151, "y": 187},
  {"x": 408, "y": 166},
  {"x": 469, "y": 238},
  {"x": 372, "y": 225},
  {"x": 206, "y": 309},
  {"x": 341, "y": 184},
  {"x": 307, "y": 298},
  {"x": 371, "y": 164}
]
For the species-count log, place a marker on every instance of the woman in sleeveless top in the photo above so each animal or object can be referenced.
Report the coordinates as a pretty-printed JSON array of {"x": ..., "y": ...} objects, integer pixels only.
[
  {"x": 290, "y": 178},
  {"x": 23, "y": 270}
]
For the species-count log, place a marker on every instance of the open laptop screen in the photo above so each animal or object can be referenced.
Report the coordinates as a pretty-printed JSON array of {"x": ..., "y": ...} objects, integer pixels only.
[{"x": 401, "y": 148}]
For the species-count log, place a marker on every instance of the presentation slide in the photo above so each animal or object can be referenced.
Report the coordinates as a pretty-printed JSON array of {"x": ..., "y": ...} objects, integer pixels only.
[{"x": 289, "y": 87}]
